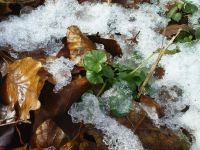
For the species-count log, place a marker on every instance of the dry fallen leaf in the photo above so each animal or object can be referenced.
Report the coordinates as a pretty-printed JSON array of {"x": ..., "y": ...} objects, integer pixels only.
[
  {"x": 151, "y": 136},
  {"x": 55, "y": 104},
  {"x": 171, "y": 30},
  {"x": 22, "y": 86},
  {"x": 110, "y": 45},
  {"x": 47, "y": 134},
  {"x": 78, "y": 44}
]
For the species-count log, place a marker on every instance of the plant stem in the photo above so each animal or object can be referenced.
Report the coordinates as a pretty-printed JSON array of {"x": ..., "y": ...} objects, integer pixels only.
[
  {"x": 144, "y": 62},
  {"x": 161, "y": 53},
  {"x": 102, "y": 89}
]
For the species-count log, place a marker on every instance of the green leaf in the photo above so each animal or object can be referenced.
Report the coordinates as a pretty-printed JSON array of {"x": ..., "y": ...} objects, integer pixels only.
[
  {"x": 179, "y": 5},
  {"x": 197, "y": 33},
  {"x": 93, "y": 60},
  {"x": 172, "y": 12},
  {"x": 190, "y": 8},
  {"x": 107, "y": 71},
  {"x": 94, "y": 77},
  {"x": 169, "y": 52},
  {"x": 120, "y": 102},
  {"x": 183, "y": 37},
  {"x": 177, "y": 17}
]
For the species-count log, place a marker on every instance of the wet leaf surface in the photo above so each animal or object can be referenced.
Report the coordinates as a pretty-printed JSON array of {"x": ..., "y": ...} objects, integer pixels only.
[
  {"x": 151, "y": 136},
  {"x": 22, "y": 86},
  {"x": 78, "y": 44},
  {"x": 55, "y": 104},
  {"x": 47, "y": 134}
]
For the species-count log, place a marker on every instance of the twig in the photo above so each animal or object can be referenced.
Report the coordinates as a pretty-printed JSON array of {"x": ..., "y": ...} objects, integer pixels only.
[
  {"x": 15, "y": 122},
  {"x": 161, "y": 53}
]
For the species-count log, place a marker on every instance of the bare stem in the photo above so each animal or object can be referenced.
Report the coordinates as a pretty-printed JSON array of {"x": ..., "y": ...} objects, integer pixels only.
[{"x": 161, "y": 53}]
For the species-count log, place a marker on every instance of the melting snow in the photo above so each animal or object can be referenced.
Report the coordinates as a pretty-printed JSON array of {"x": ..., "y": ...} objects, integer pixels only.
[
  {"x": 183, "y": 71},
  {"x": 116, "y": 136},
  {"x": 42, "y": 26},
  {"x": 35, "y": 30},
  {"x": 60, "y": 69}
]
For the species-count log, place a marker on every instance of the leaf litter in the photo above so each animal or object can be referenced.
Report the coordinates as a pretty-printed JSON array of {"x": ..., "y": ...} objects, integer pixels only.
[{"x": 35, "y": 30}]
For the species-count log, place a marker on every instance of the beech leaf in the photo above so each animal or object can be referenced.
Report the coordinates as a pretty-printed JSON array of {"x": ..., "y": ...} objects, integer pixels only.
[
  {"x": 22, "y": 86},
  {"x": 78, "y": 44},
  {"x": 47, "y": 134}
]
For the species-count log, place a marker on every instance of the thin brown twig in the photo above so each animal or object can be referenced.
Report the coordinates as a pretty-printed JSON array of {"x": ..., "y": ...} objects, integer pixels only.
[
  {"x": 15, "y": 122},
  {"x": 140, "y": 122}
]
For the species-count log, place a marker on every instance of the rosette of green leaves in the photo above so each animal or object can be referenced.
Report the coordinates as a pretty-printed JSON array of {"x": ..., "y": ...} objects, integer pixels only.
[
  {"x": 180, "y": 9},
  {"x": 96, "y": 67}
]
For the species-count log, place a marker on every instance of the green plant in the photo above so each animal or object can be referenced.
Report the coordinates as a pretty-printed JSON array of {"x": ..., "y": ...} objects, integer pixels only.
[
  {"x": 180, "y": 9},
  {"x": 94, "y": 63}
]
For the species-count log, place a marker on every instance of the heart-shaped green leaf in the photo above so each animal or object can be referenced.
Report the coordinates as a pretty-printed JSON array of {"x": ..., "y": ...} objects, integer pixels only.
[
  {"x": 93, "y": 60},
  {"x": 93, "y": 77}
]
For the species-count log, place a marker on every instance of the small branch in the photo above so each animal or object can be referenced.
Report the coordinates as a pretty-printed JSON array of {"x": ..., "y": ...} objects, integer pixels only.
[
  {"x": 161, "y": 53},
  {"x": 15, "y": 122}
]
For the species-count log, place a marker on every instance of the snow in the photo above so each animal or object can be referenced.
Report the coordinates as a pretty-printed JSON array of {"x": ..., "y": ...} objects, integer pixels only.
[
  {"x": 116, "y": 136},
  {"x": 35, "y": 30},
  {"x": 60, "y": 69},
  {"x": 46, "y": 25},
  {"x": 182, "y": 70},
  {"x": 119, "y": 96}
]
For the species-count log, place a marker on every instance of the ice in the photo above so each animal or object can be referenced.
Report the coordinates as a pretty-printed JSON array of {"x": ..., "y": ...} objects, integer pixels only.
[
  {"x": 60, "y": 69},
  {"x": 116, "y": 136}
]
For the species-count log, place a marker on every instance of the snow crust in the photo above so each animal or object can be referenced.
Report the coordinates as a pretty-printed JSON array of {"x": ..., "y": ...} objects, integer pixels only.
[
  {"x": 182, "y": 70},
  {"x": 35, "y": 30},
  {"x": 60, "y": 69},
  {"x": 116, "y": 136}
]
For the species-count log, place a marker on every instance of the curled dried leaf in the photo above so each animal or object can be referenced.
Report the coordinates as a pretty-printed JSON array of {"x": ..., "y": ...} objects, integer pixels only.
[
  {"x": 110, "y": 45},
  {"x": 171, "y": 30},
  {"x": 78, "y": 44},
  {"x": 47, "y": 134},
  {"x": 22, "y": 86}
]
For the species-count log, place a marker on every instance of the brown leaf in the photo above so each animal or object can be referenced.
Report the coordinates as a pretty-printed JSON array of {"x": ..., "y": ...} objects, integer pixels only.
[
  {"x": 4, "y": 9},
  {"x": 110, "y": 45},
  {"x": 71, "y": 145},
  {"x": 55, "y": 104},
  {"x": 159, "y": 72},
  {"x": 171, "y": 30},
  {"x": 151, "y": 136},
  {"x": 22, "y": 86},
  {"x": 47, "y": 134},
  {"x": 150, "y": 102},
  {"x": 6, "y": 135},
  {"x": 78, "y": 44}
]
